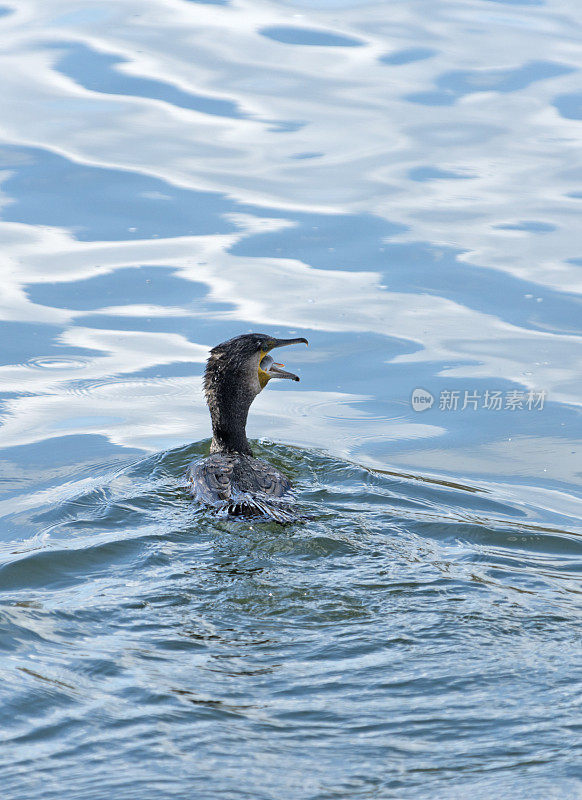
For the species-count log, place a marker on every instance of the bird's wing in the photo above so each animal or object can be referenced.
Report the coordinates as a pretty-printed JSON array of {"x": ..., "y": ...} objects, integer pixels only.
[
  {"x": 259, "y": 488},
  {"x": 211, "y": 479},
  {"x": 257, "y": 477}
]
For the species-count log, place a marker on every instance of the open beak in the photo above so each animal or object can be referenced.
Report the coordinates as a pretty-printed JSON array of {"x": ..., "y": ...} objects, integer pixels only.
[
  {"x": 285, "y": 342},
  {"x": 270, "y": 368}
]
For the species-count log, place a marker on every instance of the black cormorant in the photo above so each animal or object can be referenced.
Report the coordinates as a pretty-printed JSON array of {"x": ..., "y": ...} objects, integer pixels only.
[{"x": 230, "y": 479}]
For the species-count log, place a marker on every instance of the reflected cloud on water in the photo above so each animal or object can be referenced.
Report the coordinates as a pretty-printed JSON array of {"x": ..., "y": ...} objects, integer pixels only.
[{"x": 250, "y": 187}]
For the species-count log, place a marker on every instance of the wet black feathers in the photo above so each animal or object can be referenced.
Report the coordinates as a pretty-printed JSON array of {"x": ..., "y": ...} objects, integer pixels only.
[{"x": 240, "y": 484}]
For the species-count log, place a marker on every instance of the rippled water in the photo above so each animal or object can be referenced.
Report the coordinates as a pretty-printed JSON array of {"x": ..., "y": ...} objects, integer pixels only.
[{"x": 401, "y": 184}]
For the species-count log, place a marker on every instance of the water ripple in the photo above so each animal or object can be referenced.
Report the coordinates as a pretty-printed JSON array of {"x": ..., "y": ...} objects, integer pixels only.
[{"x": 401, "y": 189}]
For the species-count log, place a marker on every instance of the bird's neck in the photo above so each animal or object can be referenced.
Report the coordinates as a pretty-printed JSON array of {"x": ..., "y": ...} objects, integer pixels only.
[
  {"x": 229, "y": 412},
  {"x": 227, "y": 441}
]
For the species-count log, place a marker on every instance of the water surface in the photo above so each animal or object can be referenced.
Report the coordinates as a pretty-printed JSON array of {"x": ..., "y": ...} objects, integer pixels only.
[{"x": 401, "y": 185}]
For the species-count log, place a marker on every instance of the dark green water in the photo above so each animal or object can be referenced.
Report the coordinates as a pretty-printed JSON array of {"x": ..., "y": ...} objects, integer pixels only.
[
  {"x": 409, "y": 638},
  {"x": 399, "y": 183}
]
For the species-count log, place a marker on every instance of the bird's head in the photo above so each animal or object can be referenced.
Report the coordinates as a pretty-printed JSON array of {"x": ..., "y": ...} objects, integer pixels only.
[
  {"x": 236, "y": 371},
  {"x": 245, "y": 363}
]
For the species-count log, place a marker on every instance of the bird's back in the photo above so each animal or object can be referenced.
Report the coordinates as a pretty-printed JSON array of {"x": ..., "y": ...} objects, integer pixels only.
[{"x": 240, "y": 484}]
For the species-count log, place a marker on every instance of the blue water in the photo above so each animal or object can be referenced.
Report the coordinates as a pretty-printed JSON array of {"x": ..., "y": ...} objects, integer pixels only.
[{"x": 399, "y": 183}]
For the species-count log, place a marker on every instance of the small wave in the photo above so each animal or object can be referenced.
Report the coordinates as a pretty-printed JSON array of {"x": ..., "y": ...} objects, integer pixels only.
[
  {"x": 61, "y": 363},
  {"x": 125, "y": 389}
]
